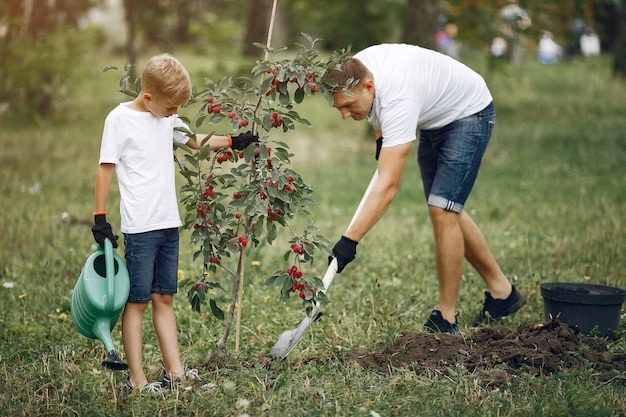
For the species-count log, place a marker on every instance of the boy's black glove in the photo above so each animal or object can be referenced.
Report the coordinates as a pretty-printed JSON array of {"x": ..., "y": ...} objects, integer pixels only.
[
  {"x": 240, "y": 142},
  {"x": 379, "y": 146},
  {"x": 102, "y": 230},
  {"x": 344, "y": 251}
]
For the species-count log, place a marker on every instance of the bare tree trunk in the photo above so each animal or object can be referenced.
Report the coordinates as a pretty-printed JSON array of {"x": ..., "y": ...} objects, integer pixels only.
[
  {"x": 420, "y": 23},
  {"x": 258, "y": 22},
  {"x": 619, "y": 48},
  {"x": 130, "y": 14}
]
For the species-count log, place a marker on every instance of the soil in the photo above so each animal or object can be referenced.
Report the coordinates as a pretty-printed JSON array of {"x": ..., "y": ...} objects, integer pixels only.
[{"x": 495, "y": 354}]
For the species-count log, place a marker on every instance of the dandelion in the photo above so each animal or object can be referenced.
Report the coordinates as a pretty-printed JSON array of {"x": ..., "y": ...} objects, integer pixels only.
[
  {"x": 256, "y": 263},
  {"x": 22, "y": 295},
  {"x": 181, "y": 274}
]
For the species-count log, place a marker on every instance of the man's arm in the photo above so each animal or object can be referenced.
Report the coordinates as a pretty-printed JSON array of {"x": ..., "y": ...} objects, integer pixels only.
[{"x": 390, "y": 166}]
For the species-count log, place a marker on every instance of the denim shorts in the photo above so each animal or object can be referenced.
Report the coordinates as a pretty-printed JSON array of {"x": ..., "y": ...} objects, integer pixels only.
[
  {"x": 152, "y": 262},
  {"x": 449, "y": 158}
]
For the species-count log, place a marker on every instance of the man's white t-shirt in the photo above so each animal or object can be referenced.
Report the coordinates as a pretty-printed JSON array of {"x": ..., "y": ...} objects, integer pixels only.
[
  {"x": 417, "y": 88},
  {"x": 141, "y": 147}
]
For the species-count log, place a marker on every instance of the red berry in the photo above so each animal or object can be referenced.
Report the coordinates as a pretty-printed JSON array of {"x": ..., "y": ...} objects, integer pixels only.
[
  {"x": 215, "y": 260},
  {"x": 302, "y": 295},
  {"x": 237, "y": 195},
  {"x": 237, "y": 215},
  {"x": 291, "y": 178},
  {"x": 243, "y": 241},
  {"x": 289, "y": 187}
]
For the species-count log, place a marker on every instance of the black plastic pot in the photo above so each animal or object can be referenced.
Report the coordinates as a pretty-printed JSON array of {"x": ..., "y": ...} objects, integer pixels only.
[{"x": 585, "y": 306}]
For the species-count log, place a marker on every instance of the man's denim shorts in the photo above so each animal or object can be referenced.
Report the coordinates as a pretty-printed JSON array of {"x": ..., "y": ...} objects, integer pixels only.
[
  {"x": 449, "y": 158},
  {"x": 152, "y": 262}
]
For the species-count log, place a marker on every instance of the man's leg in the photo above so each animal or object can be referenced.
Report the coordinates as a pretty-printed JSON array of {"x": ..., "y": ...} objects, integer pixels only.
[
  {"x": 132, "y": 319},
  {"x": 449, "y": 248},
  {"x": 481, "y": 258},
  {"x": 165, "y": 326}
]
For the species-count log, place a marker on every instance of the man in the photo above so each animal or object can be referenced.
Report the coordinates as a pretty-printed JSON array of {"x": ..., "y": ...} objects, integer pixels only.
[{"x": 400, "y": 89}]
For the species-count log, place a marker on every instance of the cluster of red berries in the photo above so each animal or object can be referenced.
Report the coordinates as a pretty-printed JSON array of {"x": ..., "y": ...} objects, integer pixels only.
[
  {"x": 276, "y": 120},
  {"x": 234, "y": 117},
  {"x": 243, "y": 241},
  {"x": 272, "y": 215},
  {"x": 293, "y": 271},
  {"x": 208, "y": 192},
  {"x": 225, "y": 157},
  {"x": 211, "y": 108},
  {"x": 296, "y": 248}
]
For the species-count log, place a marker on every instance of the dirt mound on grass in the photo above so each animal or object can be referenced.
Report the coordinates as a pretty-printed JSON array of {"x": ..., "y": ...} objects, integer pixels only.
[{"x": 539, "y": 350}]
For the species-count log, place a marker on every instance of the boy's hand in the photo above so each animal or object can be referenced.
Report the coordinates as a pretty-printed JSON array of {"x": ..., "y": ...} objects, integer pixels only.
[
  {"x": 240, "y": 142},
  {"x": 102, "y": 230}
]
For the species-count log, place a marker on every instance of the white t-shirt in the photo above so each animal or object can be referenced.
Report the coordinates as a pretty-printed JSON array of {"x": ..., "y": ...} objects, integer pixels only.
[
  {"x": 417, "y": 88},
  {"x": 141, "y": 147}
]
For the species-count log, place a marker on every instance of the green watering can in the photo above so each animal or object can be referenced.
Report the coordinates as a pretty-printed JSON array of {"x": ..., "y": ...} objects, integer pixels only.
[{"x": 99, "y": 297}]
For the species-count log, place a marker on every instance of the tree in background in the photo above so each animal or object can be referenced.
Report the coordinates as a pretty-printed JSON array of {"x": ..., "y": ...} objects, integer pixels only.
[
  {"x": 346, "y": 22},
  {"x": 39, "y": 52},
  {"x": 421, "y": 20},
  {"x": 619, "y": 54}
]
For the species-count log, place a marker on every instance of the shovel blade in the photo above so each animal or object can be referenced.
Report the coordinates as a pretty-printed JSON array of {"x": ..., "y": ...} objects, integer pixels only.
[{"x": 290, "y": 338}]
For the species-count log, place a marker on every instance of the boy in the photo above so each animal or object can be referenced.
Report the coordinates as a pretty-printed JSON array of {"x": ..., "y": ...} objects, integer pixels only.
[{"x": 137, "y": 143}]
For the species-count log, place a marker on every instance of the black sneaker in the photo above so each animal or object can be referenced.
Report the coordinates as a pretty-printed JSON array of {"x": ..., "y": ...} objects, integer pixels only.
[
  {"x": 437, "y": 324},
  {"x": 494, "y": 309}
]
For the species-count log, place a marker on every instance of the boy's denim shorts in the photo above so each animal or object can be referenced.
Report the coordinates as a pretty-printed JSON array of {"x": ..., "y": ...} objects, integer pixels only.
[
  {"x": 152, "y": 262},
  {"x": 449, "y": 158}
]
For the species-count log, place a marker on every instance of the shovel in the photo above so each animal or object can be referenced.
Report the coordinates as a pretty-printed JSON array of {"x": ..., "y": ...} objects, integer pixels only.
[{"x": 290, "y": 338}]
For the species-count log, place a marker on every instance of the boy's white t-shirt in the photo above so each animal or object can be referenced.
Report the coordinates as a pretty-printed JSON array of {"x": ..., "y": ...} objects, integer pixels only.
[
  {"x": 417, "y": 88},
  {"x": 141, "y": 147}
]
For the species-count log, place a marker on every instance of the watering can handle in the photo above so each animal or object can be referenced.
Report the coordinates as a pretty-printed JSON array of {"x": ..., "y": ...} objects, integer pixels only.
[{"x": 109, "y": 262}]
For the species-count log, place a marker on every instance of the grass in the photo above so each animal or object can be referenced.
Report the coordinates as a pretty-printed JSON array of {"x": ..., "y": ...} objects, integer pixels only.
[{"x": 550, "y": 199}]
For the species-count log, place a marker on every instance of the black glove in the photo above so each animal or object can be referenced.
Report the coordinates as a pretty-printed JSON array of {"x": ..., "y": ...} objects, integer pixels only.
[
  {"x": 240, "y": 142},
  {"x": 379, "y": 146},
  {"x": 102, "y": 230},
  {"x": 344, "y": 251}
]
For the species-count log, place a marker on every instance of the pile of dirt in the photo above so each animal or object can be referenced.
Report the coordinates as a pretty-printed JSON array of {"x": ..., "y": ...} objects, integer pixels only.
[{"x": 540, "y": 350}]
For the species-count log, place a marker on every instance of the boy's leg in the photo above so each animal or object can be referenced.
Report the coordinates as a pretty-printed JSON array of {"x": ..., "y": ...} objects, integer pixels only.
[
  {"x": 165, "y": 326},
  {"x": 132, "y": 337}
]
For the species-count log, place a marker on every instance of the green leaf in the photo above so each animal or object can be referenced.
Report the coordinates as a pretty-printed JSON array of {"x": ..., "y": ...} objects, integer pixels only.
[
  {"x": 217, "y": 312},
  {"x": 298, "y": 96}
]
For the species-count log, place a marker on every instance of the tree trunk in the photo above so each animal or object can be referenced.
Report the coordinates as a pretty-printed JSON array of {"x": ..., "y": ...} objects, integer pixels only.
[
  {"x": 420, "y": 23},
  {"x": 619, "y": 49},
  {"x": 258, "y": 24},
  {"x": 131, "y": 20}
]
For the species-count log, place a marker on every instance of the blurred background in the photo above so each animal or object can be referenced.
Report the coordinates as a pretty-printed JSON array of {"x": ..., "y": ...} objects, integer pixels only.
[{"x": 42, "y": 42}]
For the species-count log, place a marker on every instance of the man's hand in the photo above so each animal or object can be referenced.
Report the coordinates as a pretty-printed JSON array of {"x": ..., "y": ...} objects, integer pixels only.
[
  {"x": 242, "y": 141},
  {"x": 379, "y": 146},
  {"x": 102, "y": 230},
  {"x": 344, "y": 251}
]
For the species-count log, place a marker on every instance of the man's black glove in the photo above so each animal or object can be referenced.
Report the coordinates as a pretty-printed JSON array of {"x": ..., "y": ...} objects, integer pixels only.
[
  {"x": 240, "y": 142},
  {"x": 344, "y": 251},
  {"x": 102, "y": 230},
  {"x": 379, "y": 146}
]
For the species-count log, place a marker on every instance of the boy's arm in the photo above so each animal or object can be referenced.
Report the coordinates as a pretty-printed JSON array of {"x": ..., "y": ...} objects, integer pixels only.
[
  {"x": 238, "y": 142},
  {"x": 103, "y": 184},
  {"x": 214, "y": 142},
  {"x": 102, "y": 229}
]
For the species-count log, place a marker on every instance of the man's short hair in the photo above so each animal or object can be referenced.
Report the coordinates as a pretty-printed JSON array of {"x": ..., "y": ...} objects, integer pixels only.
[{"x": 345, "y": 75}]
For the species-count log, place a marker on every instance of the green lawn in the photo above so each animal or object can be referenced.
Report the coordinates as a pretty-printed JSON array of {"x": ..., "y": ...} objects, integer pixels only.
[{"x": 550, "y": 199}]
